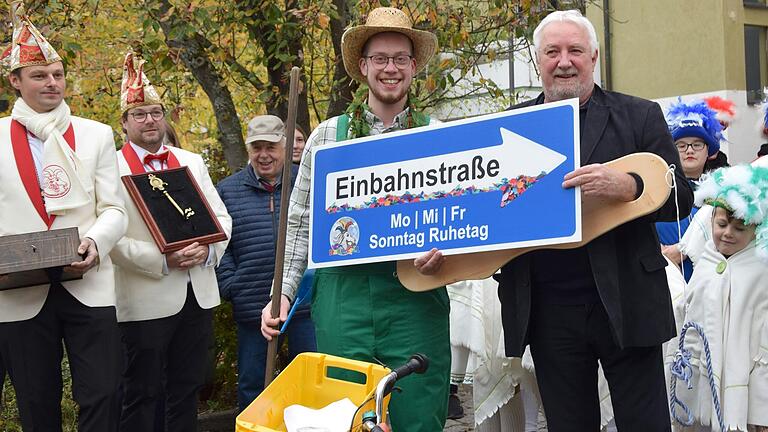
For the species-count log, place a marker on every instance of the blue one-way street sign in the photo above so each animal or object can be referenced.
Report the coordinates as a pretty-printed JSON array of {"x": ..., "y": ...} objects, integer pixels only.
[{"x": 490, "y": 182}]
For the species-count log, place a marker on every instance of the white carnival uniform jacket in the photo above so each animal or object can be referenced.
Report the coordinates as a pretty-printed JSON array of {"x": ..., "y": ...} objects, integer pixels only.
[
  {"x": 143, "y": 291},
  {"x": 102, "y": 219},
  {"x": 729, "y": 299}
]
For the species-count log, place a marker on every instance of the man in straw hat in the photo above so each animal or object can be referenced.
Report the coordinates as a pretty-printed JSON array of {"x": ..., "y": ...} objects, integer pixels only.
[
  {"x": 164, "y": 302},
  {"x": 363, "y": 312},
  {"x": 58, "y": 171},
  {"x": 608, "y": 300}
]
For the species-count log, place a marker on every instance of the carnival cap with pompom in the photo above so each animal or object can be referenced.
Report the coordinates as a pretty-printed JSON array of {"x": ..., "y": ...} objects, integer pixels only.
[
  {"x": 381, "y": 20},
  {"x": 742, "y": 190},
  {"x": 695, "y": 119}
]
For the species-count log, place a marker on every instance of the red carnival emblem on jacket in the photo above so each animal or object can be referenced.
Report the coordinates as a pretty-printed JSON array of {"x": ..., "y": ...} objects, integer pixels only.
[{"x": 56, "y": 182}]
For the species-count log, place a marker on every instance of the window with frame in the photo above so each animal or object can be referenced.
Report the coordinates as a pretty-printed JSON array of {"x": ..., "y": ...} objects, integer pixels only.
[
  {"x": 755, "y": 63},
  {"x": 755, "y": 3}
]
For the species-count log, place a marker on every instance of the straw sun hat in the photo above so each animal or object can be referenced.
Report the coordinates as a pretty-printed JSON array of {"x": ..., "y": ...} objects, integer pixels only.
[{"x": 380, "y": 20}]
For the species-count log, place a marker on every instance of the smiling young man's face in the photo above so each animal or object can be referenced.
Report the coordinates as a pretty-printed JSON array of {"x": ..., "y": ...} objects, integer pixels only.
[
  {"x": 41, "y": 87},
  {"x": 390, "y": 84}
]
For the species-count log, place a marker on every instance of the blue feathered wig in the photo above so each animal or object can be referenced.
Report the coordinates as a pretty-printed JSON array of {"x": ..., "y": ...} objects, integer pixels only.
[{"x": 695, "y": 119}]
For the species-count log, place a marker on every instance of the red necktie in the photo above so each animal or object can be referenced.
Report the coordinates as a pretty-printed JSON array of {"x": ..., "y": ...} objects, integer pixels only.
[
  {"x": 162, "y": 157},
  {"x": 267, "y": 185}
]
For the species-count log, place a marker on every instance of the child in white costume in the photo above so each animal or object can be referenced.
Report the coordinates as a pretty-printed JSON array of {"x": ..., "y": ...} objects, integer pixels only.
[
  {"x": 728, "y": 297},
  {"x": 700, "y": 229}
]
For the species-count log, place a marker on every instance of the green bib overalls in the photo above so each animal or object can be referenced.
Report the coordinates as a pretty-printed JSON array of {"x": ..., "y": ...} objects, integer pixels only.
[{"x": 362, "y": 312}]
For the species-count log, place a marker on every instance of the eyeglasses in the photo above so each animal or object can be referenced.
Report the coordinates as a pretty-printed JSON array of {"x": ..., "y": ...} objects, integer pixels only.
[
  {"x": 141, "y": 116},
  {"x": 683, "y": 147},
  {"x": 401, "y": 61}
]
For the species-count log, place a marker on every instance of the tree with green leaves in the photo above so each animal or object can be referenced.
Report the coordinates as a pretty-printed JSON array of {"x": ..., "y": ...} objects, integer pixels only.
[{"x": 227, "y": 61}]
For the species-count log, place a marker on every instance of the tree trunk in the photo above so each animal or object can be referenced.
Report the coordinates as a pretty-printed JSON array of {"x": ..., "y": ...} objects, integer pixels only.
[
  {"x": 343, "y": 86},
  {"x": 192, "y": 53}
]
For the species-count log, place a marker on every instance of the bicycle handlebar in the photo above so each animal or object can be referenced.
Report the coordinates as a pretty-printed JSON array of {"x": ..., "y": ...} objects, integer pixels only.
[{"x": 418, "y": 363}]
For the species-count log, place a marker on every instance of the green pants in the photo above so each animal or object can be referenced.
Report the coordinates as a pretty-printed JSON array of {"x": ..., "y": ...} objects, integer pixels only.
[{"x": 363, "y": 313}]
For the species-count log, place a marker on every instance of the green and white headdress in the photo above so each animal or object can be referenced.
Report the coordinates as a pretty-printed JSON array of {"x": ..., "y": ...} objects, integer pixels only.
[{"x": 742, "y": 190}]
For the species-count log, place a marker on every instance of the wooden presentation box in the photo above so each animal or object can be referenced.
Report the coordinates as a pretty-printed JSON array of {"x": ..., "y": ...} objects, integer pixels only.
[{"x": 37, "y": 258}]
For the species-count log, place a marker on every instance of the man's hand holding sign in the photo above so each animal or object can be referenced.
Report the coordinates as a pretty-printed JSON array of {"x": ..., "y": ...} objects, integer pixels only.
[
  {"x": 429, "y": 263},
  {"x": 600, "y": 181}
]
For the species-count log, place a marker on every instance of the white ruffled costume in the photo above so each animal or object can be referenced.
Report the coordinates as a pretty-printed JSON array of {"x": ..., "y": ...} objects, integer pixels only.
[{"x": 732, "y": 308}]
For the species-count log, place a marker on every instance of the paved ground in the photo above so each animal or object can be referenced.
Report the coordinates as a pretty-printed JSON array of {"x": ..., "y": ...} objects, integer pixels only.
[{"x": 467, "y": 422}]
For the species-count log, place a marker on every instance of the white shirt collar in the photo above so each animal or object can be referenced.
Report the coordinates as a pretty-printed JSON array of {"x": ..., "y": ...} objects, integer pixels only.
[{"x": 141, "y": 152}]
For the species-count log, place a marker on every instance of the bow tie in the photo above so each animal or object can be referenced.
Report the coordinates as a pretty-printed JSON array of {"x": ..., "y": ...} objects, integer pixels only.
[{"x": 162, "y": 157}]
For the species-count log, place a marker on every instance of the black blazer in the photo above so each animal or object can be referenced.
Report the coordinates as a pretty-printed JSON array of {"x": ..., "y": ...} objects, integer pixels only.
[{"x": 627, "y": 263}]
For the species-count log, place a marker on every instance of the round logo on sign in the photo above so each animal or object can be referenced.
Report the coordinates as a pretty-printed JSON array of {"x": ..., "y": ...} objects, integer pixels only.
[
  {"x": 344, "y": 236},
  {"x": 56, "y": 182}
]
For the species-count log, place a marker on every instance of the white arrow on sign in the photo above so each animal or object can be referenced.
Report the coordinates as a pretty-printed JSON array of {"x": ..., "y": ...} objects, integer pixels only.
[{"x": 480, "y": 168}]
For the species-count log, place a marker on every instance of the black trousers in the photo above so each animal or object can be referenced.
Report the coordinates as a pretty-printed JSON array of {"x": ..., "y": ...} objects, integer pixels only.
[
  {"x": 32, "y": 353},
  {"x": 566, "y": 344},
  {"x": 166, "y": 357}
]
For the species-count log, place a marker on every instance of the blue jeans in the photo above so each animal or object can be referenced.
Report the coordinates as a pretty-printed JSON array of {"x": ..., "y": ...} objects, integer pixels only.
[{"x": 252, "y": 354}]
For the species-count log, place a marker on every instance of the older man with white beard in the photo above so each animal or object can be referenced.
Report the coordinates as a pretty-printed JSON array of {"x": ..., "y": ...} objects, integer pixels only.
[{"x": 609, "y": 299}]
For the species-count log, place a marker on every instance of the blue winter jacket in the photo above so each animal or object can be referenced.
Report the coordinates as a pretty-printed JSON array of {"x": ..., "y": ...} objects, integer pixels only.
[{"x": 246, "y": 269}]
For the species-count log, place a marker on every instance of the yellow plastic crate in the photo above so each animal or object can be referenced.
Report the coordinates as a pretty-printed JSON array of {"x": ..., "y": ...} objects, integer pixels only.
[{"x": 306, "y": 382}]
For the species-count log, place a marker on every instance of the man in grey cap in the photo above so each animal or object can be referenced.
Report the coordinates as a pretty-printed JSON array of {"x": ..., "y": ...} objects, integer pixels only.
[{"x": 252, "y": 197}]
